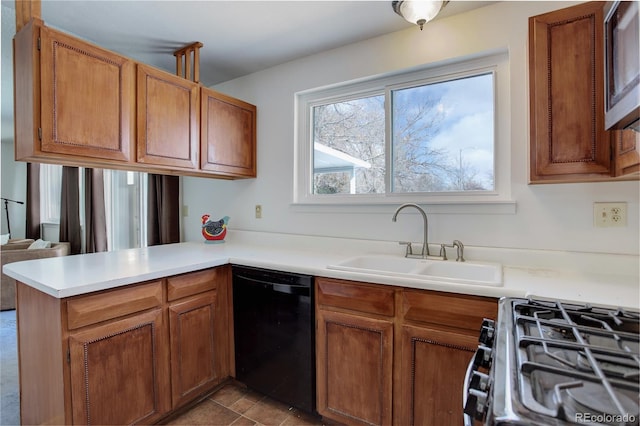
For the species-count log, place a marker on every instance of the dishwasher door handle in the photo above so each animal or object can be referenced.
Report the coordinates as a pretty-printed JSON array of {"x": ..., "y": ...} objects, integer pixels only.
[{"x": 299, "y": 290}]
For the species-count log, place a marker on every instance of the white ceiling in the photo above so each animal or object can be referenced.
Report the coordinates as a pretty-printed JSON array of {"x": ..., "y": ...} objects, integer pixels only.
[{"x": 240, "y": 37}]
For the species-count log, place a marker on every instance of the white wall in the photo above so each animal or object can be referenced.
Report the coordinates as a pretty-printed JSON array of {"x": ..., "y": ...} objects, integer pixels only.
[
  {"x": 547, "y": 217},
  {"x": 13, "y": 185},
  {"x": 558, "y": 217}
]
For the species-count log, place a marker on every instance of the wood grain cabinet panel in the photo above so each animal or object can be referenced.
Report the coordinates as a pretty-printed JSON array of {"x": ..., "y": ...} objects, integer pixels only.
[
  {"x": 126, "y": 355},
  {"x": 94, "y": 308},
  {"x": 568, "y": 141},
  {"x": 626, "y": 151},
  {"x": 228, "y": 135},
  {"x": 459, "y": 311},
  {"x": 391, "y": 355},
  {"x": 168, "y": 119},
  {"x": 433, "y": 367},
  {"x": 372, "y": 299},
  {"x": 439, "y": 336},
  {"x": 566, "y": 75},
  {"x": 86, "y": 95},
  {"x": 119, "y": 371},
  {"x": 354, "y": 368},
  {"x": 193, "y": 347},
  {"x": 184, "y": 285},
  {"x": 200, "y": 332},
  {"x": 80, "y": 105}
]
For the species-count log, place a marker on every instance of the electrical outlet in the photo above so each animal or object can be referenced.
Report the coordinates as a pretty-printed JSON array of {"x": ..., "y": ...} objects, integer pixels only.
[
  {"x": 607, "y": 215},
  {"x": 185, "y": 211},
  {"x": 258, "y": 211}
]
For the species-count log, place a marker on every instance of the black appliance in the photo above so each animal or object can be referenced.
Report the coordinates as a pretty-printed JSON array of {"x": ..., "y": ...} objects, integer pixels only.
[
  {"x": 555, "y": 363},
  {"x": 273, "y": 319}
]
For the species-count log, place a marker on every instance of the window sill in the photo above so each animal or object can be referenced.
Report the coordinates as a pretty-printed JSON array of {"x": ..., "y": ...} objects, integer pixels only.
[{"x": 501, "y": 207}]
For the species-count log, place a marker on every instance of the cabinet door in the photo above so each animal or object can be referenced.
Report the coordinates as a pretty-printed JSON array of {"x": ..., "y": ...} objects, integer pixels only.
[
  {"x": 193, "y": 343},
  {"x": 354, "y": 368},
  {"x": 432, "y": 373},
  {"x": 627, "y": 151},
  {"x": 228, "y": 135},
  {"x": 87, "y": 99},
  {"x": 566, "y": 73},
  {"x": 168, "y": 119},
  {"x": 119, "y": 371}
]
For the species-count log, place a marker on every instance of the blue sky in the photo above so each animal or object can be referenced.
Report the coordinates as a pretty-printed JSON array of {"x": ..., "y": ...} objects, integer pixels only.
[{"x": 468, "y": 127}]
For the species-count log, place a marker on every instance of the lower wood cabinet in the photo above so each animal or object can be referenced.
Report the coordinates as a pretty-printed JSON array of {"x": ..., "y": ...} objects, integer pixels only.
[
  {"x": 199, "y": 332},
  {"x": 124, "y": 356},
  {"x": 432, "y": 369},
  {"x": 390, "y": 355},
  {"x": 439, "y": 335},
  {"x": 354, "y": 363},
  {"x": 119, "y": 371}
]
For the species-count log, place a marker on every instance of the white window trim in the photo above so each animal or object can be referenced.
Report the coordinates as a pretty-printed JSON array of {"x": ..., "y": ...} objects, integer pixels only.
[{"x": 463, "y": 201}]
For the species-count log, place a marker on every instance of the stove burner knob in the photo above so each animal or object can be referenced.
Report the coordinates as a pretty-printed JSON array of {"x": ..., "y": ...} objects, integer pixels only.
[
  {"x": 476, "y": 405},
  {"x": 487, "y": 331},
  {"x": 482, "y": 357},
  {"x": 488, "y": 323},
  {"x": 479, "y": 381}
]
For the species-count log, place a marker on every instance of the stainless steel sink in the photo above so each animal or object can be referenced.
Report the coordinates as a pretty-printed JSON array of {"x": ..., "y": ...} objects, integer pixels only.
[{"x": 469, "y": 272}]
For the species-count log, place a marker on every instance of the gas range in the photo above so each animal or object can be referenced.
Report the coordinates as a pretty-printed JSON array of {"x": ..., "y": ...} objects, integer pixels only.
[{"x": 555, "y": 363}]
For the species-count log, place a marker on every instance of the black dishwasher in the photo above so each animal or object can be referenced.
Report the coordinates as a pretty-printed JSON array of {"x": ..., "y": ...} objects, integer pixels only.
[{"x": 273, "y": 319}]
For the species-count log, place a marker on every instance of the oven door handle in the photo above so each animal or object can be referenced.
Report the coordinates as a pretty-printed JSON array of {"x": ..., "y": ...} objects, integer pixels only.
[{"x": 468, "y": 421}]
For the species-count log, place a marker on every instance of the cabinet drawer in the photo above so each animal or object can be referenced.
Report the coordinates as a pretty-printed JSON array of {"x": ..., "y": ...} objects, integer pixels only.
[
  {"x": 459, "y": 311},
  {"x": 367, "y": 298},
  {"x": 95, "y": 308},
  {"x": 192, "y": 283}
]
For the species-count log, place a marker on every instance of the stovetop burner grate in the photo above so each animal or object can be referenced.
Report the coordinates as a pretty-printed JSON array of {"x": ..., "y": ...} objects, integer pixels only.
[{"x": 578, "y": 359}]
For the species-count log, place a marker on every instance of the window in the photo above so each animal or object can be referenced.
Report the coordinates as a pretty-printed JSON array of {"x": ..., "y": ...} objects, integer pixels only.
[
  {"x": 125, "y": 205},
  {"x": 50, "y": 190},
  {"x": 125, "y": 196},
  {"x": 430, "y": 135}
]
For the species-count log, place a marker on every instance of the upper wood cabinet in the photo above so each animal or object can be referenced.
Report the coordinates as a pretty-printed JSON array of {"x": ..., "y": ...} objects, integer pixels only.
[
  {"x": 228, "y": 135},
  {"x": 626, "y": 151},
  {"x": 168, "y": 119},
  {"x": 72, "y": 98},
  {"x": 568, "y": 141},
  {"x": 80, "y": 105}
]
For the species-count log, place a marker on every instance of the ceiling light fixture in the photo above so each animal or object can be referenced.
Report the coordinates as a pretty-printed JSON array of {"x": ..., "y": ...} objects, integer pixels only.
[{"x": 418, "y": 12}]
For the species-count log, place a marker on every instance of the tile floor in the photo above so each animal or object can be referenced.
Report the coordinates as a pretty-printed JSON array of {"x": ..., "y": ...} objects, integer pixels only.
[{"x": 235, "y": 405}]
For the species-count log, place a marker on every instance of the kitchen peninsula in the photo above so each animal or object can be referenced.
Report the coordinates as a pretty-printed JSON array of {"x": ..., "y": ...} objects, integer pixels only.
[{"x": 164, "y": 301}]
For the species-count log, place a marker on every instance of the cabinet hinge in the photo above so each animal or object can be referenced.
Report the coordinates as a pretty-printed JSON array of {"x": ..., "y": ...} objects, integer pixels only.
[
  {"x": 39, "y": 42},
  {"x": 40, "y": 133}
]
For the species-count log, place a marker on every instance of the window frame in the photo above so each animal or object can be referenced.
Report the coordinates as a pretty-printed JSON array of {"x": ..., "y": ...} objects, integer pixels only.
[{"x": 496, "y": 63}]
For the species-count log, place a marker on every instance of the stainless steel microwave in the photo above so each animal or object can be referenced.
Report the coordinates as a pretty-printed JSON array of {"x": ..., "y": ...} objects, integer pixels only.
[{"x": 622, "y": 65}]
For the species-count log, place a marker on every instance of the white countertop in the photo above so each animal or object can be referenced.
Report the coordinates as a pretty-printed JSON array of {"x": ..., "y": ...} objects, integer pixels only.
[{"x": 600, "y": 279}]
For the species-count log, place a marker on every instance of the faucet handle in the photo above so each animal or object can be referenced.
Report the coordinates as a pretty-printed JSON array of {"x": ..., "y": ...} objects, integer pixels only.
[
  {"x": 460, "y": 250},
  {"x": 443, "y": 251},
  {"x": 409, "y": 250}
]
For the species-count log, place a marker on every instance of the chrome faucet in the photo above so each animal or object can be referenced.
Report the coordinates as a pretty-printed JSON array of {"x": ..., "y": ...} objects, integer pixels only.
[{"x": 425, "y": 243}]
